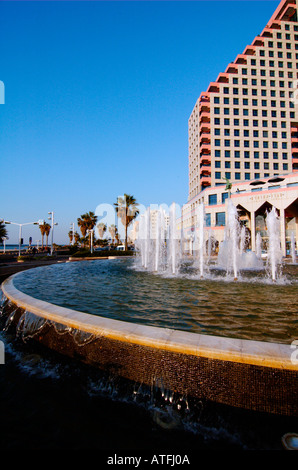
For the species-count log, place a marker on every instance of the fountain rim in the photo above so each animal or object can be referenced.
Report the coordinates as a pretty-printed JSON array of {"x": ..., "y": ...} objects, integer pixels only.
[{"x": 257, "y": 353}]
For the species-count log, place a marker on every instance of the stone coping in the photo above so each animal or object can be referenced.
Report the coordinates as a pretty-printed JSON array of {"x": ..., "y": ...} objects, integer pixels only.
[{"x": 264, "y": 354}]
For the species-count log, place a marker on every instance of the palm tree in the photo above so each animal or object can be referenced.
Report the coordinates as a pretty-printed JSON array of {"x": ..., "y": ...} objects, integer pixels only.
[
  {"x": 70, "y": 234},
  {"x": 102, "y": 228},
  {"x": 3, "y": 232},
  {"x": 76, "y": 237},
  {"x": 117, "y": 237},
  {"x": 127, "y": 211},
  {"x": 47, "y": 232},
  {"x": 86, "y": 222},
  {"x": 42, "y": 231},
  {"x": 113, "y": 231}
]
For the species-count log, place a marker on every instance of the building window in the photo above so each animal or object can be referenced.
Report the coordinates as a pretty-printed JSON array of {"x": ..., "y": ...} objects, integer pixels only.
[
  {"x": 220, "y": 218},
  {"x": 237, "y": 176},
  {"x": 247, "y": 176},
  {"x": 224, "y": 196},
  {"x": 217, "y": 163},
  {"x": 208, "y": 220},
  {"x": 217, "y": 175},
  {"x": 212, "y": 199}
]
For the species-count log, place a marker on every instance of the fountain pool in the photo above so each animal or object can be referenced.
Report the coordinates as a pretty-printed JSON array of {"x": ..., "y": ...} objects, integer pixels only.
[
  {"x": 173, "y": 321},
  {"x": 222, "y": 342},
  {"x": 122, "y": 290}
]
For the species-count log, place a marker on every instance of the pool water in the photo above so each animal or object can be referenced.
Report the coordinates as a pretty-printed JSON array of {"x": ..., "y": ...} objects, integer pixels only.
[{"x": 248, "y": 309}]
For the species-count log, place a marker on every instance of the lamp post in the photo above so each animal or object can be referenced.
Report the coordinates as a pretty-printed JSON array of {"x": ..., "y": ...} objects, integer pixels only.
[
  {"x": 72, "y": 229},
  {"x": 4, "y": 242},
  {"x": 52, "y": 227},
  {"x": 20, "y": 230},
  {"x": 90, "y": 231}
]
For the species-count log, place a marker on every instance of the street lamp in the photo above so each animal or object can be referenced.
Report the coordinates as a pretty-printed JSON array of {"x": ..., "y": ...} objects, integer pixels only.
[
  {"x": 52, "y": 227},
  {"x": 4, "y": 241},
  {"x": 72, "y": 229},
  {"x": 91, "y": 234},
  {"x": 20, "y": 230}
]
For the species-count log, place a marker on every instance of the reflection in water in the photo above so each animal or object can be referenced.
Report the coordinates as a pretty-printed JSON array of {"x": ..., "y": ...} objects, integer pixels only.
[{"x": 249, "y": 309}]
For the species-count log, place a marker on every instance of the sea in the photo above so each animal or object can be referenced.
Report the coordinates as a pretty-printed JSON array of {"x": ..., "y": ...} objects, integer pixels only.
[{"x": 13, "y": 247}]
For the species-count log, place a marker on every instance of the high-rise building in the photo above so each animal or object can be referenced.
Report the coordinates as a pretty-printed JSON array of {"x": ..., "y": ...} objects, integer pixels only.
[{"x": 245, "y": 126}]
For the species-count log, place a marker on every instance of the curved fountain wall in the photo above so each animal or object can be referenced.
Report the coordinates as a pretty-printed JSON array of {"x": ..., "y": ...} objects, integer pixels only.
[{"x": 253, "y": 375}]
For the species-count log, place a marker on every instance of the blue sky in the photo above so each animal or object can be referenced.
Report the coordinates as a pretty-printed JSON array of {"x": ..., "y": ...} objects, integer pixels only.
[{"x": 98, "y": 96}]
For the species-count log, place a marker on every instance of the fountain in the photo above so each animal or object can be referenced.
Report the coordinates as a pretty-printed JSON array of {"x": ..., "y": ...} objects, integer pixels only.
[
  {"x": 201, "y": 226},
  {"x": 293, "y": 249},
  {"x": 163, "y": 251},
  {"x": 258, "y": 245},
  {"x": 160, "y": 249},
  {"x": 274, "y": 250},
  {"x": 173, "y": 248},
  {"x": 169, "y": 321}
]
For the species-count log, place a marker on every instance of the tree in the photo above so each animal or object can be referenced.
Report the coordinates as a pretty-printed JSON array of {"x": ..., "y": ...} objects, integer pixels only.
[
  {"x": 76, "y": 237},
  {"x": 47, "y": 232},
  {"x": 42, "y": 231},
  {"x": 126, "y": 209},
  {"x": 70, "y": 234},
  {"x": 113, "y": 231},
  {"x": 102, "y": 228},
  {"x": 3, "y": 232},
  {"x": 86, "y": 222}
]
